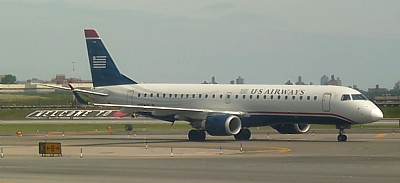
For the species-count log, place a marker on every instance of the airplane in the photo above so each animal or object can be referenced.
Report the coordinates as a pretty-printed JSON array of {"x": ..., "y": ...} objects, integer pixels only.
[{"x": 224, "y": 109}]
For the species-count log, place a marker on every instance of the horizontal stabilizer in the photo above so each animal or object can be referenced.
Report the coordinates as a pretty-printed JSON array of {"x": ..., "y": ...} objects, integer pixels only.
[
  {"x": 75, "y": 90},
  {"x": 56, "y": 87}
]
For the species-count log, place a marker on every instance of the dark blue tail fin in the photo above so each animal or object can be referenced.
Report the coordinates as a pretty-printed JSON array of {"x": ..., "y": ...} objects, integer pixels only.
[{"x": 104, "y": 71}]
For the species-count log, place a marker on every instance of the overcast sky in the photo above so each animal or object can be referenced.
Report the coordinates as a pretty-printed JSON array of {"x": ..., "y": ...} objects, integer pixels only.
[{"x": 174, "y": 41}]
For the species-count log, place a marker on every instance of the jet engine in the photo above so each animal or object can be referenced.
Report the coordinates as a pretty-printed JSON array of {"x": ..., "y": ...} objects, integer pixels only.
[
  {"x": 291, "y": 128},
  {"x": 222, "y": 125}
]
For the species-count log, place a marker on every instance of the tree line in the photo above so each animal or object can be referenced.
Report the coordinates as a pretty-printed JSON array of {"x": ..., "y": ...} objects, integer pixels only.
[{"x": 8, "y": 79}]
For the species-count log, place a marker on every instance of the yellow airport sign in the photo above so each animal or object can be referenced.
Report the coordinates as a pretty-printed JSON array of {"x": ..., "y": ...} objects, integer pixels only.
[{"x": 49, "y": 148}]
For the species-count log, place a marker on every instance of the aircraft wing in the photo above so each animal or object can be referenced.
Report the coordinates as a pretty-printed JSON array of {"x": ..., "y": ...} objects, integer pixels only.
[{"x": 171, "y": 110}]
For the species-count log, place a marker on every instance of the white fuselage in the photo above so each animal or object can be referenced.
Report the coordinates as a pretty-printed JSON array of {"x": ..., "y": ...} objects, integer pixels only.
[{"x": 270, "y": 103}]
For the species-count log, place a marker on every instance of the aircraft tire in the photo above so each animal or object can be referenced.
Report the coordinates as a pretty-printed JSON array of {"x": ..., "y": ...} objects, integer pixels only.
[
  {"x": 244, "y": 134},
  {"x": 342, "y": 138},
  {"x": 196, "y": 135}
]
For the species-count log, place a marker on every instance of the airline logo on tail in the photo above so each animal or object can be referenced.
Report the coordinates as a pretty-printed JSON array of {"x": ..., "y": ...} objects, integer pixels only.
[{"x": 99, "y": 62}]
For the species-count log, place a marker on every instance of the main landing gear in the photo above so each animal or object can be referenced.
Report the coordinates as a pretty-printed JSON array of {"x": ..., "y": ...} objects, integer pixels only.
[
  {"x": 197, "y": 135},
  {"x": 342, "y": 137},
  {"x": 200, "y": 135},
  {"x": 244, "y": 134}
]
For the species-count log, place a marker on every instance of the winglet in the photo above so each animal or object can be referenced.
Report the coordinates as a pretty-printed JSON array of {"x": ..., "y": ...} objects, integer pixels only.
[
  {"x": 70, "y": 86},
  {"x": 91, "y": 33}
]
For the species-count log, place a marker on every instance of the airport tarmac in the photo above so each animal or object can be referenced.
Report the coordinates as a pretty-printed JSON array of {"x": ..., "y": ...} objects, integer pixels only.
[{"x": 368, "y": 156}]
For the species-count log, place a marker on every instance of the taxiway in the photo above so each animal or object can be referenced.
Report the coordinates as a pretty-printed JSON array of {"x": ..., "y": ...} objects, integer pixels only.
[{"x": 368, "y": 156}]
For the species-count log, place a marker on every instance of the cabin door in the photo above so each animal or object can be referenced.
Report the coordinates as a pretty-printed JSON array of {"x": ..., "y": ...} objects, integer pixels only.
[
  {"x": 326, "y": 102},
  {"x": 129, "y": 97}
]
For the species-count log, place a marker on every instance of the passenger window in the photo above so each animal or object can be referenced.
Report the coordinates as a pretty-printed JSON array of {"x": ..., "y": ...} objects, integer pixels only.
[
  {"x": 272, "y": 97},
  {"x": 265, "y": 97},
  {"x": 199, "y": 95},
  {"x": 176, "y": 95},
  {"x": 315, "y": 97},
  {"x": 251, "y": 96},
  {"x": 163, "y": 95},
  {"x": 193, "y": 95},
  {"x": 308, "y": 98},
  {"x": 301, "y": 97},
  {"x": 294, "y": 97},
  {"x": 236, "y": 96},
  {"x": 138, "y": 95},
  {"x": 170, "y": 95},
  {"x": 346, "y": 97},
  {"x": 279, "y": 97},
  {"x": 213, "y": 96},
  {"x": 286, "y": 97},
  {"x": 258, "y": 96},
  {"x": 151, "y": 95},
  {"x": 145, "y": 95},
  {"x": 205, "y": 96},
  {"x": 244, "y": 96},
  {"x": 221, "y": 96}
]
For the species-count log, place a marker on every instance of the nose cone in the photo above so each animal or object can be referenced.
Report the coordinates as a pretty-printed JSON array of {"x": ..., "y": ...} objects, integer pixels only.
[{"x": 376, "y": 115}]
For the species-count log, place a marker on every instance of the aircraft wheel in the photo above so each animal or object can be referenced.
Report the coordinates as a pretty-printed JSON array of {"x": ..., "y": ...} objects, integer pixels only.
[
  {"x": 244, "y": 134},
  {"x": 342, "y": 138},
  {"x": 197, "y": 135}
]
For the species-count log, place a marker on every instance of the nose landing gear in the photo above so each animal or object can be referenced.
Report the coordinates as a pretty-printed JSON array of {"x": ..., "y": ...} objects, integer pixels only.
[{"x": 342, "y": 137}]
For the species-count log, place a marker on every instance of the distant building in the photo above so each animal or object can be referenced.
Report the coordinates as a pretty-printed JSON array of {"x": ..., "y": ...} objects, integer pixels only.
[
  {"x": 299, "y": 81},
  {"x": 63, "y": 80},
  {"x": 388, "y": 100},
  {"x": 324, "y": 80},
  {"x": 333, "y": 81},
  {"x": 288, "y": 82},
  {"x": 60, "y": 79},
  {"x": 213, "y": 81},
  {"x": 35, "y": 80},
  {"x": 240, "y": 80},
  {"x": 377, "y": 89}
]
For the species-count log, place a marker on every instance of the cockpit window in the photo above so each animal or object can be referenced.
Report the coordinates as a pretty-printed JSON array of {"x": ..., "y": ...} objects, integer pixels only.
[
  {"x": 345, "y": 97},
  {"x": 358, "y": 97}
]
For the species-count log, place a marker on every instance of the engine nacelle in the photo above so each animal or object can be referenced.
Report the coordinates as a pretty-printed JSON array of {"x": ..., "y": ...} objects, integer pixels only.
[
  {"x": 292, "y": 128},
  {"x": 223, "y": 125}
]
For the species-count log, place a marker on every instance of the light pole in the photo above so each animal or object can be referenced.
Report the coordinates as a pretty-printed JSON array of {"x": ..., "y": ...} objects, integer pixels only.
[
  {"x": 73, "y": 75},
  {"x": 73, "y": 70}
]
